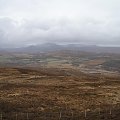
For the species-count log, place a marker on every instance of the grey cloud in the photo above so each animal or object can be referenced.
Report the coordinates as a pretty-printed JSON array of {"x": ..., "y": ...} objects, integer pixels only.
[
  {"x": 76, "y": 21},
  {"x": 30, "y": 32}
]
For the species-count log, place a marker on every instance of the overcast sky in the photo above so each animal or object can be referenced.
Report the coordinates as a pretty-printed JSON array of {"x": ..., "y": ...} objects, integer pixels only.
[{"x": 26, "y": 22}]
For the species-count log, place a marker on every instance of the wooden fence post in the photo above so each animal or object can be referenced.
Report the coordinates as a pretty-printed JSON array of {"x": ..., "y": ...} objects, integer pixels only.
[
  {"x": 99, "y": 109},
  {"x": 85, "y": 113},
  {"x": 16, "y": 116},
  {"x": 27, "y": 116},
  {"x": 60, "y": 116},
  {"x": 72, "y": 114},
  {"x": 110, "y": 111},
  {"x": 1, "y": 116}
]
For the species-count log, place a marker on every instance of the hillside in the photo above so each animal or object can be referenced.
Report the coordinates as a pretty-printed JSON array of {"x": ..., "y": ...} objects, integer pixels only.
[{"x": 52, "y": 94}]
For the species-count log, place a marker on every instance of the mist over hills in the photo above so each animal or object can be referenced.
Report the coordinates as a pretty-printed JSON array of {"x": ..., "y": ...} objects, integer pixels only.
[{"x": 49, "y": 47}]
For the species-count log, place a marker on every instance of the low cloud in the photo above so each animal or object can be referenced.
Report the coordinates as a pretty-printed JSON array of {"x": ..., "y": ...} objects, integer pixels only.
[{"x": 59, "y": 22}]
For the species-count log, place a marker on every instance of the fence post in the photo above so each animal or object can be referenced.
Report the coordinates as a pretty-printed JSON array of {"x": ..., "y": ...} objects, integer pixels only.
[
  {"x": 16, "y": 116},
  {"x": 1, "y": 116},
  {"x": 60, "y": 116},
  {"x": 110, "y": 111},
  {"x": 27, "y": 117},
  {"x": 85, "y": 113},
  {"x": 72, "y": 114},
  {"x": 99, "y": 111},
  {"x": 99, "y": 108}
]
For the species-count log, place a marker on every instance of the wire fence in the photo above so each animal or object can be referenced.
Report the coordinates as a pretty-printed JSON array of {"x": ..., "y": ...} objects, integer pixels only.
[{"x": 87, "y": 114}]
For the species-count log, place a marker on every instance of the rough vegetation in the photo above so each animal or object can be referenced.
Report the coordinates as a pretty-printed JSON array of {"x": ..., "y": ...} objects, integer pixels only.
[
  {"x": 60, "y": 85},
  {"x": 42, "y": 94}
]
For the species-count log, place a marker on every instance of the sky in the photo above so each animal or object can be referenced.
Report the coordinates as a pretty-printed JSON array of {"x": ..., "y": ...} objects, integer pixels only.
[{"x": 28, "y": 22}]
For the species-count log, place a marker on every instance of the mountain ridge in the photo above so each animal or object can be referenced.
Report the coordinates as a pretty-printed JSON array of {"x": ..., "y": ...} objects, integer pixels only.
[{"x": 49, "y": 47}]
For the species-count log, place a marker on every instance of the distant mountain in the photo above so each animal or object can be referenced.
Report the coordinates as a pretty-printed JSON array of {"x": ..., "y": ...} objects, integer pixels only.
[
  {"x": 37, "y": 48},
  {"x": 98, "y": 49},
  {"x": 49, "y": 47}
]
